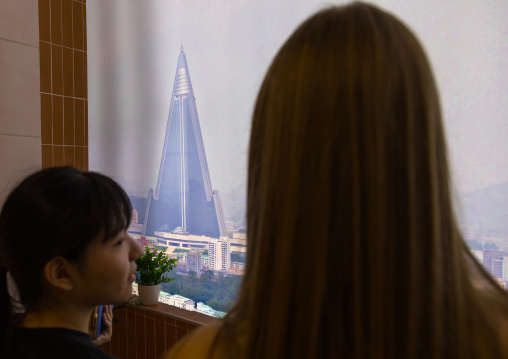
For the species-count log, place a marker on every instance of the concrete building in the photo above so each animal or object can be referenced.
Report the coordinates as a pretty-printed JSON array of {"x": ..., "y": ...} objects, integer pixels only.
[
  {"x": 219, "y": 254},
  {"x": 505, "y": 268},
  {"x": 181, "y": 302},
  {"x": 195, "y": 262},
  {"x": 188, "y": 241},
  {"x": 183, "y": 201},
  {"x": 205, "y": 309},
  {"x": 238, "y": 265},
  {"x": 165, "y": 298},
  {"x": 493, "y": 261}
]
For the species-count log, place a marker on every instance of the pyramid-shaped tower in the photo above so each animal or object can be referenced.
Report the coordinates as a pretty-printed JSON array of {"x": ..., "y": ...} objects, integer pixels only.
[{"x": 183, "y": 201}]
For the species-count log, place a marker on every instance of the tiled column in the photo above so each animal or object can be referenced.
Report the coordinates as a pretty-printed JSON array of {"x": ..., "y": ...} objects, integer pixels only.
[{"x": 63, "y": 87}]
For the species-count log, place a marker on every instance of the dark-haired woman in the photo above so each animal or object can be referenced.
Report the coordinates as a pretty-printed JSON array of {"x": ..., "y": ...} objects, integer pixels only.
[
  {"x": 64, "y": 244},
  {"x": 354, "y": 250}
]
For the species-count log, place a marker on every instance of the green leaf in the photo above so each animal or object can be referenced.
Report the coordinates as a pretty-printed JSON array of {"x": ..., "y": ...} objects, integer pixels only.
[{"x": 152, "y": 266}]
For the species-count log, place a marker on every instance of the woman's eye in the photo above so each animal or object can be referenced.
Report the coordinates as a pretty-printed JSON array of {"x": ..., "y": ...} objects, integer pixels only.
[{"x": 119, "y": 243}]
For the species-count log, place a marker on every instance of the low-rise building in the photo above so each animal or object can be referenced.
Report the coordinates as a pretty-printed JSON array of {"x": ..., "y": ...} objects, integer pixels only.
[
  {"x": 181, "y": 302},
  {"x": 238, "y": 265},
  {"x": 206, "y": 309}
]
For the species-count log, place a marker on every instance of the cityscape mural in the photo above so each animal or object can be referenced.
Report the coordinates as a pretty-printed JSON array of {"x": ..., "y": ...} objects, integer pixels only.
[{"x": 178, "y": 143}]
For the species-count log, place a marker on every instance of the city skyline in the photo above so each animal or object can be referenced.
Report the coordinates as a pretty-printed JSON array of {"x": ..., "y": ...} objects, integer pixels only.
[
  {"x": 131, "y": 60},
  {"x": 131, "y": 51}
]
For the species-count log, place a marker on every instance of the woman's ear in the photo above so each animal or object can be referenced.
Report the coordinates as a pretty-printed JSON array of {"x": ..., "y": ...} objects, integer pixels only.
[{"x": 58, "y": 272}]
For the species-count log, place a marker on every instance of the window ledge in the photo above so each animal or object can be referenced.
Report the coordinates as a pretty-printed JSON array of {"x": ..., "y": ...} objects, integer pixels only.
[{"x": 191, "y": 317}]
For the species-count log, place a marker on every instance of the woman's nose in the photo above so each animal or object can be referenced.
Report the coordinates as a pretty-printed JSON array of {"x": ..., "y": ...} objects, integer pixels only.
[{"x": 136, "y": 250}]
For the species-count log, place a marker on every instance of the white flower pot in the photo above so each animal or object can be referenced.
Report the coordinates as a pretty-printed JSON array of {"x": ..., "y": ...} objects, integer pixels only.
[{"x": 149, "y": 294}]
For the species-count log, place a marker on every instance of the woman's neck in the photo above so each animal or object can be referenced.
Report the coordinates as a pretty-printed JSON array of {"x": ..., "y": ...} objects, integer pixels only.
[{"x": 59, "y": 317}]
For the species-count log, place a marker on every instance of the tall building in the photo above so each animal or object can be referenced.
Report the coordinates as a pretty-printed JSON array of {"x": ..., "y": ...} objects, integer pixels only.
[
  {"x": 219, "y": 254},
  {"x": 195, "y": 262},
  {"x": 183, "y": 201},
  {"x": 493, "y": 261}
]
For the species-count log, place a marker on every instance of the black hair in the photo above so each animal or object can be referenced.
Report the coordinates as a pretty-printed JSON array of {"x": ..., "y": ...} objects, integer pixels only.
[{"x": 54, "y": 212}]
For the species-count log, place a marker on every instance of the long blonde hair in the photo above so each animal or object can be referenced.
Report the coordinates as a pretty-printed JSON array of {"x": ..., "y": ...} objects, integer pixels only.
[{"x": 354, "y": 250}]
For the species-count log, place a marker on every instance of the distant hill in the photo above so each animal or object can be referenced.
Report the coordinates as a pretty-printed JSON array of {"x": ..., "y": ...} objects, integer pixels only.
[{"x": 487, "y": 210}]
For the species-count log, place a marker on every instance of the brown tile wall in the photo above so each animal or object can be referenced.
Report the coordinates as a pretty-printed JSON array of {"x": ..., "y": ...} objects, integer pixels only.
[
  {"x": 149, "y": 332},
  {"x": 64, "y": 99}
]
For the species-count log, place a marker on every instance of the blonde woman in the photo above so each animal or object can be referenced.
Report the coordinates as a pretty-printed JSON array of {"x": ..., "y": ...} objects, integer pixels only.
[{"x": 354, "y": 250}]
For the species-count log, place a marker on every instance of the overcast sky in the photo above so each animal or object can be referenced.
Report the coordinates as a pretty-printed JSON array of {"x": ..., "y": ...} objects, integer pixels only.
[{"x": 133, "y": 48}]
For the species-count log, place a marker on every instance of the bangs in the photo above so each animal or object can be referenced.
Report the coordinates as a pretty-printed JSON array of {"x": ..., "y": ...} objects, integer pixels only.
[
  {"x": 64, "y": 210},
  {"x": 100, "y": 208},
  {"x": 110, "y": 207}
]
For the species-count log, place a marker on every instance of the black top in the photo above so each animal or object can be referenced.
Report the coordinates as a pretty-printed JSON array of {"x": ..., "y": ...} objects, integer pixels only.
[{"x": 43, "y": 343}]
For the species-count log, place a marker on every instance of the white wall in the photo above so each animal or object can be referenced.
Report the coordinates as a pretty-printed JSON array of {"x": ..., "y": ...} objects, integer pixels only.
[{"x": 20, "y": 112}]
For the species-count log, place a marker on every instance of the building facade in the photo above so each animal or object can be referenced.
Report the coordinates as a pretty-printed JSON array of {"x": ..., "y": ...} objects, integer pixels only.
[
  {"x": 219, "y": 254},
  {"x": 195, "y": 262},
  {"x": 183, "y": 201},
  {"x": 496, "y": 263}
]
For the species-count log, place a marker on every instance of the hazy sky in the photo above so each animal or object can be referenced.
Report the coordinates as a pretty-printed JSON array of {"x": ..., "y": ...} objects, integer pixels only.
[{"x": 133, "y": 48}]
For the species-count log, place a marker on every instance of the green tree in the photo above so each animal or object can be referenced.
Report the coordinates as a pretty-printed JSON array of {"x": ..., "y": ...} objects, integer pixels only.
[
  {"x": 475, "y": 245},
  {"x": 218, "y": 291}
]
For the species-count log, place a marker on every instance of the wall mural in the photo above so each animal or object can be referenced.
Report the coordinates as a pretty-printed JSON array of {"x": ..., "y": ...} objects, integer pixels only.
[{"x": 178, "y": 143}]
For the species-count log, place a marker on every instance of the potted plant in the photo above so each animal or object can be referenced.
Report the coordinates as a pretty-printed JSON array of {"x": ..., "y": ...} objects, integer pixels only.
[{"x": 152, "y": 267}]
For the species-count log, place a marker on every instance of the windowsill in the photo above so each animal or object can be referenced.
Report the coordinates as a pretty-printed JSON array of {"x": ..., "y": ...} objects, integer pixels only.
[
  {"x": 193, "y": 318},
  {"x": 149, "y": 331}
]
